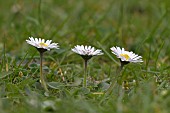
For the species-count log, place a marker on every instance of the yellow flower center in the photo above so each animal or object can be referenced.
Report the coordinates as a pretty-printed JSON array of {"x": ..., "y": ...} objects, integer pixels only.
[
  {"x": 43, "y": 44},
  {"x": 125, "y": 56}
]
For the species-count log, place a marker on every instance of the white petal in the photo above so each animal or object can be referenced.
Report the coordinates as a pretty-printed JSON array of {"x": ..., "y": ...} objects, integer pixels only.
[
  {"x": 36, "y": 42},
  {"x": 132, "y": 56},
  {"x": 86, "y": 50}
]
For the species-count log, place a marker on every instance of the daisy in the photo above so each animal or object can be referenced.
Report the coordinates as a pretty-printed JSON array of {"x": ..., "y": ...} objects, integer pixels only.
[
  {"x": 86, "y": 52},
  {"x": 41, "y": 45},
  {"x": 126, "y": 56}
]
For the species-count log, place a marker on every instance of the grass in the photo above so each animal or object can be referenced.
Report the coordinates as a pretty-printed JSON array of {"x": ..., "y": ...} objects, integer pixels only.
[{"x": 139, "y": 26}]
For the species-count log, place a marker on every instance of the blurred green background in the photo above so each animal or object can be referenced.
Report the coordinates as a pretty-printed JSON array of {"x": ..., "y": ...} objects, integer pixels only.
[
  {"x": 142, "y": 26},
  {"x": 131, "y": 24}
]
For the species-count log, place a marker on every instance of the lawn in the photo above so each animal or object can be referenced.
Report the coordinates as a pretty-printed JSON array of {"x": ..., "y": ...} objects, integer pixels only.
[{"x": 141, "y": 26}]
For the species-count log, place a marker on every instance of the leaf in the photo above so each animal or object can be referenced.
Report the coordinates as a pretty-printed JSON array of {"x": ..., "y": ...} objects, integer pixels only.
[
  {"x": 55, "y": 85},
  {"x": 77, "y": 82},
  {"x": 49, "y": 105},
  {"x": 4, "y": 74},
  {"x": 34, "y": 65},
  {"x": 84, "y": 90},
  {"x": 28, "y": 81},
  {"x": 104, "y": 86}
]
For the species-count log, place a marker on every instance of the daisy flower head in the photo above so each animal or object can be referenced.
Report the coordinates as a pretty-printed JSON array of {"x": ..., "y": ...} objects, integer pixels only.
[
  {"x": 41, "y": 44},
  {"x": 86, "y": 51},
  {"x": 126, "y": 56}
]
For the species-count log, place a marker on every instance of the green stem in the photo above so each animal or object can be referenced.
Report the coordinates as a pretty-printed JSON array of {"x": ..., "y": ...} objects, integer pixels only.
[
  {"x": 43, "y": 83},
  {"x": 85, "y": 74}
]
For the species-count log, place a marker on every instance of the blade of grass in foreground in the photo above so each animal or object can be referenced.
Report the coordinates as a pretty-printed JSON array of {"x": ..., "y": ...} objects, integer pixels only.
[
  {"x": 39, "y": 12},
  {"x": 4, "y": 64},
  {"x": 26, "y": 65},
  {"x": 23, "y": 60},
  {"x": 4, "y": 74},
  {"x": 107, "y": 53},
  {"x": 157, "y": 56},
  {"x": 155, "y": 28}
]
